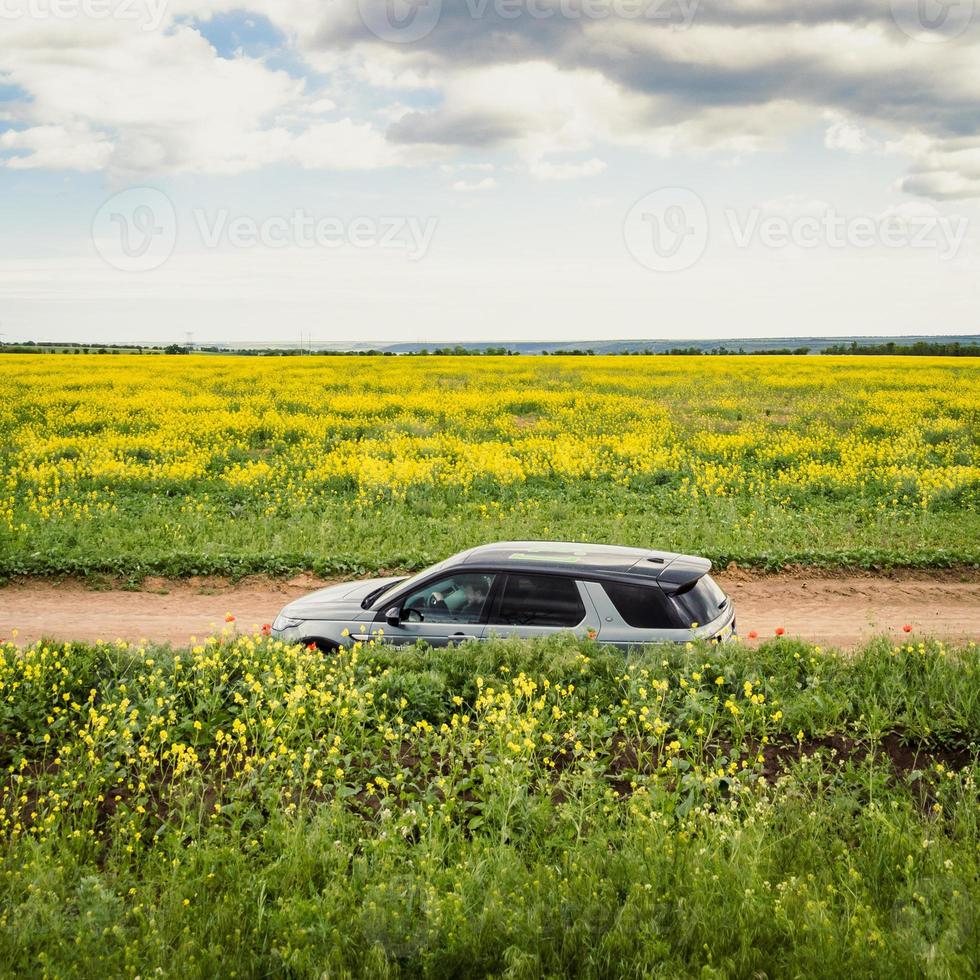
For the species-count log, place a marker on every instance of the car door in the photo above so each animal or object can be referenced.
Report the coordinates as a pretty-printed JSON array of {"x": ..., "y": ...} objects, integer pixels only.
[
  {"x": 530, "y": 605},
  {"x": 448, "y": 609}
]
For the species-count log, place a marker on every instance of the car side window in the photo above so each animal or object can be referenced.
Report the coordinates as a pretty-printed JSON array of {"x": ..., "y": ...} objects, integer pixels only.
[
  {"x": 458, "y": 598},
  {"x": 539, "y": 600},
  {"x": 641, "y": 606}
]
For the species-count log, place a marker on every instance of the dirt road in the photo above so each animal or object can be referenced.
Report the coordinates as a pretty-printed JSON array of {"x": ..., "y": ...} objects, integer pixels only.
[{"x": 831, "y": 611}]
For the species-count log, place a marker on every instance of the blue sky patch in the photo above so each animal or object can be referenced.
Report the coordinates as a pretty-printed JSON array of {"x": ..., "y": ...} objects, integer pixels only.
[
  {"x": 13, "y": 93},
  {"x": 241, "y": 32}
]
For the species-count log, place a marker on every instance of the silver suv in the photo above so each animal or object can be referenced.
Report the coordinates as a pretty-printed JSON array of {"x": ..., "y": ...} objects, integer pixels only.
[{"x": 622, "y": 596}]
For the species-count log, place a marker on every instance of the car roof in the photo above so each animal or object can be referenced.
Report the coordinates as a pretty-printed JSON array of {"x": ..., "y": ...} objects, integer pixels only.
[{"x": 592, "y": 561}]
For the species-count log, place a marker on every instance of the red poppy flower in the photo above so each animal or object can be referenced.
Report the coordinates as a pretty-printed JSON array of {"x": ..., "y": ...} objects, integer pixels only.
[
  {"x": 780, "y": 631},
  {"x": 753, "y": 635},
  {"x": 266, "y": 629},
  {"x": 907, "y": 628},
  {"x": 229, "y": 618}
]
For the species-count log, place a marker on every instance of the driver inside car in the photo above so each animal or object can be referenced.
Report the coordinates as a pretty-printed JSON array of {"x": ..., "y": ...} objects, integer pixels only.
[{"x": 474, "y": 595}]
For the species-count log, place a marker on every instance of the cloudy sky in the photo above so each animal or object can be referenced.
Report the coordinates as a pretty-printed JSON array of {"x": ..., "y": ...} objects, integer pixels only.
[{"x": 488, "y": 169}]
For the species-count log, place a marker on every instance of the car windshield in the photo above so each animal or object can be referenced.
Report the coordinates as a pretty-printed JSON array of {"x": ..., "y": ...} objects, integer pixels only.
[
  {"x": 703, "y": 602},
  {"x": 377, "y": 598},
  {"x": 376, "y": 594}
]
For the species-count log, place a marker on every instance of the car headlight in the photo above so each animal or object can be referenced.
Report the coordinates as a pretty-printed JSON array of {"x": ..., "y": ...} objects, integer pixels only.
[{"x": 285, "y": 623}]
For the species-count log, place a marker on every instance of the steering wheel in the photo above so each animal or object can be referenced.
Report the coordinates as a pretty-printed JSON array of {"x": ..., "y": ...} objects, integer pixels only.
[{"x": 436, "y": 601}]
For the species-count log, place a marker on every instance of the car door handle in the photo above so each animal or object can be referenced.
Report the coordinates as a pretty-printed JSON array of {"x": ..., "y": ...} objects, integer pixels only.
[{"x": 462, "y": 636}]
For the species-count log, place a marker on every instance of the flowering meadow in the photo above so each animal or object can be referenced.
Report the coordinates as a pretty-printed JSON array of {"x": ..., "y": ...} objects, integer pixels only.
[
  {"x": 244, "y": 808},
  {"x": 130, "y": 465}
]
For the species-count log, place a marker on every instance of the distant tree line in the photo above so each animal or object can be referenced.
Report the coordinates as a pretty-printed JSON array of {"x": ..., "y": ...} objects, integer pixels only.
[
  {"x": 709, "y": 351},
  {"x": 423, "y": 352},
  {"x": 921, "y": 348},
  {"x": 68, "y": 347},
  {"x": 458, "y": 351}
]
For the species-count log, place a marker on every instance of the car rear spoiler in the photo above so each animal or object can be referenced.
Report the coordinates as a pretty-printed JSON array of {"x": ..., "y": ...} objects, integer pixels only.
[{"x": 682, "y": 574}]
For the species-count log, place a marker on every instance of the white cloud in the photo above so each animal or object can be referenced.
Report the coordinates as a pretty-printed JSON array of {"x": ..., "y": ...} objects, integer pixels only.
[
  {"x": 942, "y": 185},
  {"x": 344, "y": 145},
  {"x": 845, "y": 135},
  {"x": 797, "y": 206},
  {"x": 545, "y": 170},
  {"x": 152, "y": 102},
  {"x": 109, "y": 96},
  {"x": 452, "y": 168},
  {"x": 475, "y": 186},
  {"x": 945, "y": 170},
  {"x": 742, "y": 79},
  {"x": 56, "y": 148},
  {"x": 106, "y": 94}
]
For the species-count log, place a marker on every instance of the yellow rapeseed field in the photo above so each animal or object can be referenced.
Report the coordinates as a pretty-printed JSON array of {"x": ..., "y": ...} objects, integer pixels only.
[{"x": 119, "y": 444}]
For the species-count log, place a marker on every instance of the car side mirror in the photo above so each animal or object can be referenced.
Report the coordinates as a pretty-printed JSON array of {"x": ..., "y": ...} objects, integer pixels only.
[{"x": 394, "y": 616}]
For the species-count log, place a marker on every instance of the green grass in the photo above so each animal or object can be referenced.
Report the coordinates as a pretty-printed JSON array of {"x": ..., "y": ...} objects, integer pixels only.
[
  {"x": 514, "y": 810},
  {"x": 234, "y": 537}
]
